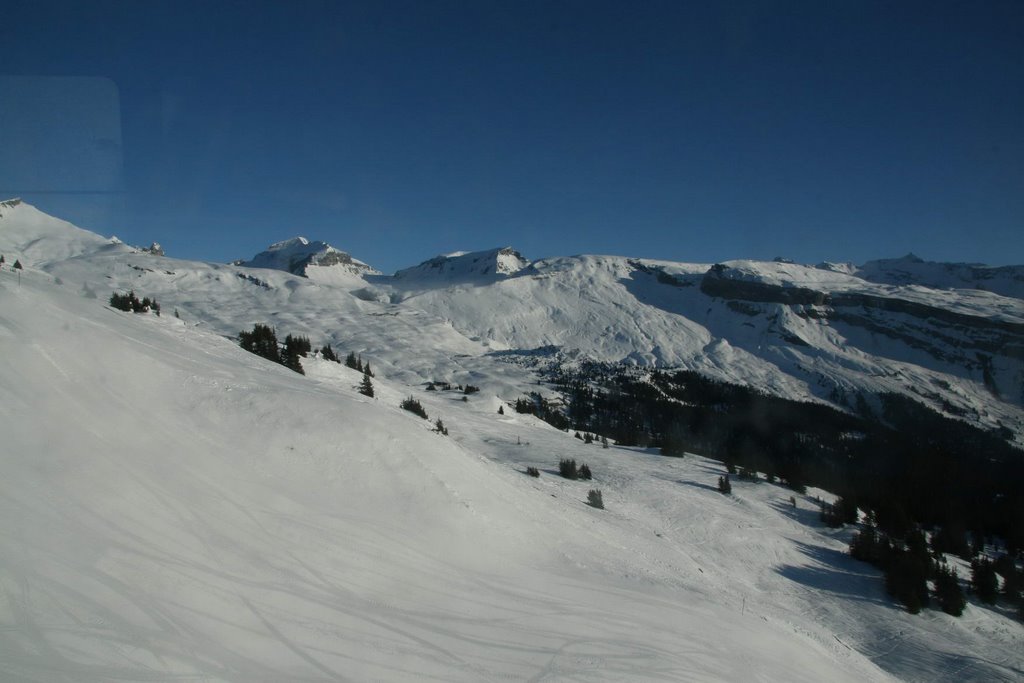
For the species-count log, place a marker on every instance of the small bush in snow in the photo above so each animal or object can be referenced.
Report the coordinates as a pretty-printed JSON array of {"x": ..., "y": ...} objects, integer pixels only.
[
  {"x": 584, "y": 472},
  {"x": 595, "y": 500},
  {"x": 533, "y": 471}
]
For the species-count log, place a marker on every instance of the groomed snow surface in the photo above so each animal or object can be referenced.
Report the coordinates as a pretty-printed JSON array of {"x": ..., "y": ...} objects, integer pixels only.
[{"x": 175, "y": 509}]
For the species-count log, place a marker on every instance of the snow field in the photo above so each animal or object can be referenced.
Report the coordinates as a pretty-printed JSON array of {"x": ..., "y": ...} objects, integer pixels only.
[{"x": 178, "y": 509}]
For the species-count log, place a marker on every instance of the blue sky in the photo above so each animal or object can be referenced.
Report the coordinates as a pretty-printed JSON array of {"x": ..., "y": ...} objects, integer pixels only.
[{"x": 839, "y": 131}]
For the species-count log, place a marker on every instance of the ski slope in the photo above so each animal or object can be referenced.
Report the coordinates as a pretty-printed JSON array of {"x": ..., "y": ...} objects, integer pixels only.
[{"x": 176, "y": 509}]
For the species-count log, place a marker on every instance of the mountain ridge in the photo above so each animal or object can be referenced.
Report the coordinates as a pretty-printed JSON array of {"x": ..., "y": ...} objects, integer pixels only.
[{"x": 796, "y": 331}]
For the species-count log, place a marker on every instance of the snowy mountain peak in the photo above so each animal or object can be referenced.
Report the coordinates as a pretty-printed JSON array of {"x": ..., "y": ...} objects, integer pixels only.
[
  {"x": 37, "y": 238},
  {"x": 288, "y": 244},
  {"x": 299, "y": 256},
  {"x": 462, "y": 266}
]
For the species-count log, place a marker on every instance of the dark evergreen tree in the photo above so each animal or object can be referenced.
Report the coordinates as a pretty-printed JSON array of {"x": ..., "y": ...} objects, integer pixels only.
[
  {"x": 262, "y": 341},
  {"x": 533, "y": 471},
  {"x": 588, "y": 438},
  {"x": 366, "y": 370},
  {"x": 440, "y": 428},
  {"x": 567, "y": 468},
  {"x": 327, "y": 353},
  {"x": 501, "y": 410},
  {"x": 675, "y": 439},
  {"x": 604, "y": 442},
  {"x": 584, "y": 472},
  {"x": 724, "y": 485},
  {"x": 948, "y": 592},
  {"x": 952, "y": 538},
  {"x": 906, "y": 579},
  {"x": 843, "y": 511},
  {"x": 366, "y": 387},
  {"x": 17, "y": 264},
  {"x": 1013, "y": 578},
  {"x": 290, "y": 359},
  {"x": 984, "y": 580},
  {"x": 350, "y": 361},
  {"x": 525, "y": 406},
  {"x": 297, "y": 345},
  {"x": 295, "y": 348},
  {"x": 595, "y": 499},
  {"x": 130, "y": 302},
  {"x": 414, "y": 406},
  {"x": 120, "y": 301},
  {"x": 870, "y": 545}
]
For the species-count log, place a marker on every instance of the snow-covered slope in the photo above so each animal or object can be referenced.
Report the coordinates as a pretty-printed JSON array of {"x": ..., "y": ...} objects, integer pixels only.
[
  {"x": 36, "y": 238},
  {"x": 476, "y": 266},
  {"x": 176, "y": 509}
]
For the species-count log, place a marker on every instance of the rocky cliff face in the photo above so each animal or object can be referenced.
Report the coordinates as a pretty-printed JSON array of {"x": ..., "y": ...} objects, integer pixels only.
[{"x": 979, "y": 343}]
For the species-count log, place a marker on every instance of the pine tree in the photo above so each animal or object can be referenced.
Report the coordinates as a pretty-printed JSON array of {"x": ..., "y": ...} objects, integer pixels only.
[
  {"x": 350, "y": 361},
  {"x": 724, "y": 485},
  {"x": 297, "y": 345},
  {"x": 567, "y": 468},
  {"x": 947, "y": 590},
  {"x": 906, "y": 579},
  {"x": 17, "y": 264},
  {"x": 501, "y": 410},
  {"x": 440, "y": 428},
  {"x": 2, "y": 261},
  {"x": 604, "y": 442},
  {"x": 594, "y": 499},
  {"x": 327, "y": 353},
  {"x": 366, "y": 370},
  {"x": 366, "y": 387},
  {"x": 262, "y": 341},
  {"x": 290, "y": 359},
  {"x": 414, "y": 407},
  {"x": 984, "y": 581}
]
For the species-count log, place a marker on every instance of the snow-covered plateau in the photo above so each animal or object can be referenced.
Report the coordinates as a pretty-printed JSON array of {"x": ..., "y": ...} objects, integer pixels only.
[{"x": 176, "y": 509}]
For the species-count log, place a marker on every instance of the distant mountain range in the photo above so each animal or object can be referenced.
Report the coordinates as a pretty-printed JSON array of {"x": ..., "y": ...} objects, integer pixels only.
[{"x": 948, "y": 335}]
